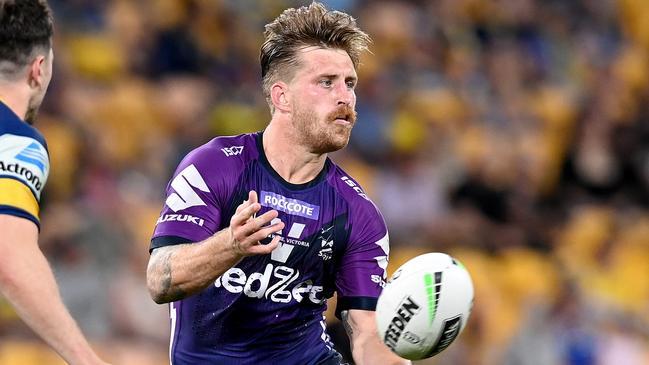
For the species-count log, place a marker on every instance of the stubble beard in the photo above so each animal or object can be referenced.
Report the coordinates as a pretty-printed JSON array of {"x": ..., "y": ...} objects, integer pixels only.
[
  {"x": 32, "y": 109},
  {"x": 326, "y": 137}
]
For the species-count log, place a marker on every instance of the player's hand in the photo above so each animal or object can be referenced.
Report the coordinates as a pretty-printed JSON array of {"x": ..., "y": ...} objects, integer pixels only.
[{"x": 246, "y": 230}]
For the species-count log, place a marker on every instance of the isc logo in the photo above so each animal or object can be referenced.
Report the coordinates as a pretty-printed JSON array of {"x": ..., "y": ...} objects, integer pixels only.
[
  {"x": 355, "y": 187},
  {"x": 232, "y": 151}
]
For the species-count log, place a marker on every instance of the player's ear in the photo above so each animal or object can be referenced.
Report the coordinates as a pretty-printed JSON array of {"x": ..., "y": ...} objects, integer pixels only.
[
  {"x": 36, "y": 72},
  {"x": 280, "y": 96}
]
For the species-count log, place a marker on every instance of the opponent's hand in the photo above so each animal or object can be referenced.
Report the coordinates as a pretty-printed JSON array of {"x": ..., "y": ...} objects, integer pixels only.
[{"x": 246, "y": 230}]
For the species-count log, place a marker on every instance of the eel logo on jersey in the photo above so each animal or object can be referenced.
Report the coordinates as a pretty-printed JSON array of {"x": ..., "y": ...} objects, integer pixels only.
[
  {"x": 184, "y": 184},
  {"x": 232, "y": 151},
  {"x": 33, "y": 154}
]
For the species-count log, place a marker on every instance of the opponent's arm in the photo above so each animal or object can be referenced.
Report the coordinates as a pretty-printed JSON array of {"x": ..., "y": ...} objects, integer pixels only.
[
  {"x": 175, "y": 272},
  {"x": 27, "y": 282},
  {"x": 367, "y": 348}
]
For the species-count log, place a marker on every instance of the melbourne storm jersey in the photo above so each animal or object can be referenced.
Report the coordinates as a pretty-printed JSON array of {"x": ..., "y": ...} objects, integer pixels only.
[
  {"x": 24, "y": 166},
  {"x": 268, "y": 309}
]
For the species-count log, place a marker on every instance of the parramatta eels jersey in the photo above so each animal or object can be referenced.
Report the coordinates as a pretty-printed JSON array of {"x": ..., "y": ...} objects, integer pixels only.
[
  {"x": 24, "y": 166},
  {"x": 268, "y": 309}
]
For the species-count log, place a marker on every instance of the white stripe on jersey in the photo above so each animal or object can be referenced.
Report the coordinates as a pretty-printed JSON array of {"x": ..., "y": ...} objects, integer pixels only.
[
  {"x": 325, "y": 337},
  {"x": 173, "y": 315}
]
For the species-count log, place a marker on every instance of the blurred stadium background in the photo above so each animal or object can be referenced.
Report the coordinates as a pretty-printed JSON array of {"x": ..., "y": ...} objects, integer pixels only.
[{"x": 511, "y": 134}]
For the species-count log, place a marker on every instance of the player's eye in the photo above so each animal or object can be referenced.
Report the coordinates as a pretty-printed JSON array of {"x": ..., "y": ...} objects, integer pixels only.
[
  {"x": 326, "y": 82},
  {"x": 351, "y": 84}
]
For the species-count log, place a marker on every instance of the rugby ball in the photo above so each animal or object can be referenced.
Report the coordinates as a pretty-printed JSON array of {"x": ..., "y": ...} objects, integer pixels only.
[{"x": 424, "y": 306}]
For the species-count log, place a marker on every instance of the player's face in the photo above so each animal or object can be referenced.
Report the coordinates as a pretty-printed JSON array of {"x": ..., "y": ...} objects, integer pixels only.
[
  {"x": 323, "y": 102},
  {"x": 38, "y": 94}
]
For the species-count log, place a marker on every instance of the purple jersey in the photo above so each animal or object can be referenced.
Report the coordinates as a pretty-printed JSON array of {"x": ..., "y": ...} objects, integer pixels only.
[{"x": 269, "y": 309}]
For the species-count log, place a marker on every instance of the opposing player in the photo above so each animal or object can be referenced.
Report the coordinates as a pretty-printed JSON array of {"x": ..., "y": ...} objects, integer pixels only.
[
  {"x": 248, "y": 282},
  {"x": 26, "y": 279}
]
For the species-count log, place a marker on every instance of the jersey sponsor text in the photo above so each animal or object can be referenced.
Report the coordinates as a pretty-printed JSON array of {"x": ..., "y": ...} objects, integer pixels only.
[
  {"x": 181, "y": 218},
  {"x": 289, "y": 205},
  {"x": 273, "y": 284},
  {"x": 24, "y": 172},
  {"x": 232, "y": 151}
]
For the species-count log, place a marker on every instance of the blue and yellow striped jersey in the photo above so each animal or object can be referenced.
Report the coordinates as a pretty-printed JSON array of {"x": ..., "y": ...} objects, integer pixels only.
[{"x": 24, "y": 166}]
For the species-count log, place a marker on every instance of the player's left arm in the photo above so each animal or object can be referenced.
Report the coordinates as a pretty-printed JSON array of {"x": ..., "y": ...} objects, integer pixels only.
[
  {"x": 360, "y": 279},
  {"x": 367, "y": 348}
]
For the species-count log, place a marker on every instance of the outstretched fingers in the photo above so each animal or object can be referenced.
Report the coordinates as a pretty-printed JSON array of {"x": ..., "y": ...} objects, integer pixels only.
[
  {"x": 244, "y": 214},
  {"x": 247, "y": 229},
  {"x": 252, "y": 198},
  {"x": 256, "y": 224}
]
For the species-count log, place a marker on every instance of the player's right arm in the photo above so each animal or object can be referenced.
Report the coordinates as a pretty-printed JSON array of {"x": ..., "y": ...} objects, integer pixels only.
[
  {"x": 177, "y": 271},
  {"x": 26, "y": 279},
  {"x": 27, "y": 282}
]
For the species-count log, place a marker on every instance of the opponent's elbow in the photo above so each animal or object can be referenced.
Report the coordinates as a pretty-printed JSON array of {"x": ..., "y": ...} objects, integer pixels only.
[{"x": 7, "y": 280}]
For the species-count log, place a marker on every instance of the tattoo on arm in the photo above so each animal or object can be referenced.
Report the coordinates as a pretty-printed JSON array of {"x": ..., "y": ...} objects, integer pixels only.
[
  {"x": 348, "y": 327},
  {"x": 162, "y": 261}
]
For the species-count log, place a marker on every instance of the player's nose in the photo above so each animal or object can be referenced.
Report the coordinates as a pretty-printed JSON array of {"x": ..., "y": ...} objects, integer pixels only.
[{"x": 345, "y": 94}]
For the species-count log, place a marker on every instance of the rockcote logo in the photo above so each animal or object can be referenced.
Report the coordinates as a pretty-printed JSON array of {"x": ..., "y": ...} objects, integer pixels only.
[{"x": 289, "y": 205}]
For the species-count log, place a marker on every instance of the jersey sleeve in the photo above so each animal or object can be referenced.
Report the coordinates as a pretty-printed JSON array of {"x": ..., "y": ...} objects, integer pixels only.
[
  {"x": 24, "y": 167},
  {"x": 192, "y": 209},
  {"x": 362, "y": 273}
]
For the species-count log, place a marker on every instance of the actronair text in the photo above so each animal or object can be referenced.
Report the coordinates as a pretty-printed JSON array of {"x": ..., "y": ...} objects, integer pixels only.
[{"x": 17, "y": 169}]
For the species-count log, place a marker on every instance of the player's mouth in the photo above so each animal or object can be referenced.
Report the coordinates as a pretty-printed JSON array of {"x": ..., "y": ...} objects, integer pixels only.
[
  {"x": 343, "y": 119},
  {"x": 344, "y": 115}
]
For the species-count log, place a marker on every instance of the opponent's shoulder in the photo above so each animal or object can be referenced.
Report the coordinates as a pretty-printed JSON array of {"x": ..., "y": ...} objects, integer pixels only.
[
  {"x": 23, "y": 152},
  {"x": 11, "y": 126}
]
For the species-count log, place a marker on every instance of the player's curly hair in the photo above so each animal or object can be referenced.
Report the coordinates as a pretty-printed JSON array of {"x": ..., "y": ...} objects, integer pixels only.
[
  {"x": 311, "y": 25},
  {"x": 26, "y": 27}
]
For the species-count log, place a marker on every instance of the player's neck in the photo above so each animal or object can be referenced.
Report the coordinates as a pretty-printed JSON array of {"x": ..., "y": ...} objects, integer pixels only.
[
  {"x": 14, "y": 98},
  {"x": 293, "y": 162}
]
